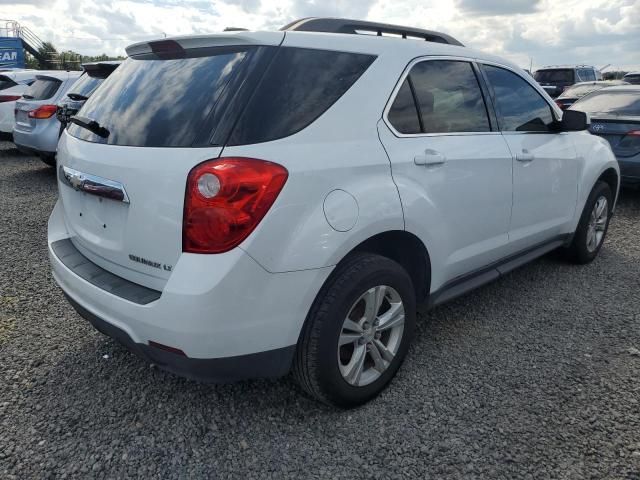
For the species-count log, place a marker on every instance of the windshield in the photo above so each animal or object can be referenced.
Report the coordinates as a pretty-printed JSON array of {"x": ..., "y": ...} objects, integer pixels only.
[
  {"x": 85, "y": 85},
  {"x": 563, "y": 75},
  {"x": 160, "y": 103},
  {"x": 42, "y": 89},
  {"x": 613, "y": 103}
]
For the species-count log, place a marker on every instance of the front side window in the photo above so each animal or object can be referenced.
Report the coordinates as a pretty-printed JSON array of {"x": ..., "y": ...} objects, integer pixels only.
[
  {"x": 520, "y": 106},
  {"x": 447, "y": 97}
]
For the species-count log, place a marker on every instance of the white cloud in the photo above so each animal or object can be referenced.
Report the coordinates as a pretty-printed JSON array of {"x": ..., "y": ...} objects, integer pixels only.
[{"x": 572, "y": 31}]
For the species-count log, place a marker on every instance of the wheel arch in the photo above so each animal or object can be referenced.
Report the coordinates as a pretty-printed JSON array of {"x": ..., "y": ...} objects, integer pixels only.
[{"x": 407, "y": 250}]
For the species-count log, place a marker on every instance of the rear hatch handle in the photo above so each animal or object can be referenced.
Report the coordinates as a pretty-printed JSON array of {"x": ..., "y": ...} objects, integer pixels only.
[{"x": 92, "y": 184}]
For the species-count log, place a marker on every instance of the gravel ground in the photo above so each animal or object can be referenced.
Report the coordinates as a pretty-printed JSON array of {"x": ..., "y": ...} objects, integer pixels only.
[{"x": 534, "y": 376}]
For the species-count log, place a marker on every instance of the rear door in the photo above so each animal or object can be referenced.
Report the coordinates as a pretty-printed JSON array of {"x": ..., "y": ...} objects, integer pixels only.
[
  {"x": 452, "y": 169},
  {"x": 545, "y": 165},
  {"x": 158, "y": 113}
]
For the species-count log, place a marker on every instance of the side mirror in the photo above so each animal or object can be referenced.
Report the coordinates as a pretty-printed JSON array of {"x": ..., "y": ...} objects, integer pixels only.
[{"x": 574, "y": 121}]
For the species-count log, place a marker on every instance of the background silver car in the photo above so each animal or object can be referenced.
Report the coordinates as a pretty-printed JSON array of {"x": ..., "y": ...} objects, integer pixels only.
[{"x": 37, "y": 128}]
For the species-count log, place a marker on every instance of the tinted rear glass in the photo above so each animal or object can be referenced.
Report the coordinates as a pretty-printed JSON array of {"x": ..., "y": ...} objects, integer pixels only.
[
  {"x": 6, "y": 82},
  {"x": 632, "y": 79},
  {"x": 580, "y": 90},
  {"x": 42, "y": 89},
  {"x": 403, "y": 114},
  {"x": 298, "y": 87},
  {"x": 564, "y": 75},
  {"x": 161, "y": 103},
  {"x": 615, "y": 103},
  {"x": 85, "y": 85}
]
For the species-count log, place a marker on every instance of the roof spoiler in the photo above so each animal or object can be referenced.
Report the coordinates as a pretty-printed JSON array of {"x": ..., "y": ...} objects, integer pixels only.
[
  {"x": 354, "y": 27},
  {"x": 226, "y": 39}
]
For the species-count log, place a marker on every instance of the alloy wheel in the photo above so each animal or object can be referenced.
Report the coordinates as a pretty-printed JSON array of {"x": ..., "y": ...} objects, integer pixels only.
[{"x": 371, "y": 335}]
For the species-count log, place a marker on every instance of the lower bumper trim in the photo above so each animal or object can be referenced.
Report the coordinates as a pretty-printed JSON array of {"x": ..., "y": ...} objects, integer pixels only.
[{"x": 269, "y": 364}]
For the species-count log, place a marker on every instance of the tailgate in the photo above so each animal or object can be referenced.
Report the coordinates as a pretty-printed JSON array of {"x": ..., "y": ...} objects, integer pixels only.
[{"x": 138, "y": 236}]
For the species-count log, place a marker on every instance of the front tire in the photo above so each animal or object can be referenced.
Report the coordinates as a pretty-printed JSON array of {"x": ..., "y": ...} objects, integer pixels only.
[
  {"x": 593, "y": 226},
  {"x": 357, "y": 332}
]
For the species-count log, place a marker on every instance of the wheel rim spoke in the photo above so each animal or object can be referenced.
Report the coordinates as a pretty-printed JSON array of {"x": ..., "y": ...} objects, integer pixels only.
[
  {"x": 378, "y": 362},
  {"x": 352, "y": 326},
  {"x": 384, "y": 351},
  {"x": 373, "y": 299},
  {"x": 392, "y": 317},
  {"x": 353, "y": 374},
  {"x": 347, "y": 338}
]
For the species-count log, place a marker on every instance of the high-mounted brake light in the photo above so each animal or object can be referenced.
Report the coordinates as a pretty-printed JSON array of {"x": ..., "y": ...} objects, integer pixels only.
[
  {"x": 226, "y": 199},
  {"x": 43, "y": 111},
  {"x": 9, "y": 98}
]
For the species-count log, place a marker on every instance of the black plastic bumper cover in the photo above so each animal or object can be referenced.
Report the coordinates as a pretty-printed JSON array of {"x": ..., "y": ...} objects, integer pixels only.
[{"x": 269, "y": 364}]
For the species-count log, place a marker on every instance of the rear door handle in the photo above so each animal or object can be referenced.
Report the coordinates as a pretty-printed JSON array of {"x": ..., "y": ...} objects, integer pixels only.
[
  {"x": 430, "y": 157},
  {"x": 525, "y": 156}
]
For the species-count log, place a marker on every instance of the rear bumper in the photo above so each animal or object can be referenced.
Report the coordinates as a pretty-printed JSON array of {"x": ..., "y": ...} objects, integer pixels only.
[
  {"x": 230, "y": 317},
  {"x": 43, "y": 139},
  {"x": 270, "y": 364},
  {"x": 630, "y": 170}
]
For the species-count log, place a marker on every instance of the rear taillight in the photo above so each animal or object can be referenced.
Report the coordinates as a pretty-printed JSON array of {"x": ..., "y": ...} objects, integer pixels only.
[
  {"x": 560, "y": 104},
  {"x": 633, "y": 133},
  {"x": 225, "y": 200},
  {"x": 43, "y": 111},
  {"x": 9, "y": 98}
]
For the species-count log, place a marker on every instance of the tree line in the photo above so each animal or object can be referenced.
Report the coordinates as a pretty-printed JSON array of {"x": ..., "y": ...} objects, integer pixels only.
[{"x": 52, "y": 59}]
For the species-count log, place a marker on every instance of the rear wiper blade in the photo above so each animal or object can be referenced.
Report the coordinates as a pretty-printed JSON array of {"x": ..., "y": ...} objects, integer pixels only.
[
  {"x": 90, "y": 125},
  {"x": 28, "y": 97},
  {"x": 77, "y": 96}
]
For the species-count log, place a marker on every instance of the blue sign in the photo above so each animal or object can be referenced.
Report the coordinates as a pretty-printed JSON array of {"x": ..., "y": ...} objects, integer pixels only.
[{"x": 11, "y": 53}]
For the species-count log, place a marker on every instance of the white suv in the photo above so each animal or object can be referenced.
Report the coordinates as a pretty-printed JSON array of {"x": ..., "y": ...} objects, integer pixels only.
[{"x": 245, "y": 204}]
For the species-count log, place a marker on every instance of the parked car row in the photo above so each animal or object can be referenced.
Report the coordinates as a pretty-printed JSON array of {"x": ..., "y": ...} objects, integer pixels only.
[{"x": 35, "y": 106}]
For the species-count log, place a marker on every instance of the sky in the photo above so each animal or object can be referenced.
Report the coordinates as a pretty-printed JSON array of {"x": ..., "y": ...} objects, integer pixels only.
[{"x": 538, "y": 32}]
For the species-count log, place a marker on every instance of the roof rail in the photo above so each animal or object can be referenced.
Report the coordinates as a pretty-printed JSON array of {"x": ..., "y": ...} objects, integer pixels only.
[{"x": 343, "y": 25}]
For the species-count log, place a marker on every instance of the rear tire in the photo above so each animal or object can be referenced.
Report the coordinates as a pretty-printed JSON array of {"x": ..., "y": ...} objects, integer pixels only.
[
  {"x": 369, "y": 306},
  {"x": 593, "y": 226},
  {"x": 49, "y": 160}
]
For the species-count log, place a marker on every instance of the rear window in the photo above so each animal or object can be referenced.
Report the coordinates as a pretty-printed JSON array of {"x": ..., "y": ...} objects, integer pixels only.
[
  {"x": 153, "y": 102},
  {"x": 42, "y": 89},
  {"x": 6, "y": 82},
  {"x": 298, "y": 87},
  {"x": 176, "y": 102},
  {"x": 85, "y": 85},
  {"x": 632, "y": 79},
  {"x": 580, "y": 90},
  {"x": 560, "y": 75},
  {"x": 614, "y": 103}
]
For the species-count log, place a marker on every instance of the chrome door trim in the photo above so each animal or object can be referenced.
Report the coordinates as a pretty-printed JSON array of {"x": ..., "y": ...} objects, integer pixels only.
[{"x": 93, "y": 184}]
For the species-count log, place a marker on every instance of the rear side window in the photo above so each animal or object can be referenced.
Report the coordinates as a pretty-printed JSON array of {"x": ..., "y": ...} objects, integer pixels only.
[
  {"x": 632, "y": 79},
  {"x": 6, "y": 82},
  {"x": 403, "y": 114},
  {"x": 298, "y": 87},
  {"x": 521, "y": 108},
  {"x": 154, "y": 102},
  {"x": 42, "y": 89},
  {"x": 448, "y": 99}
]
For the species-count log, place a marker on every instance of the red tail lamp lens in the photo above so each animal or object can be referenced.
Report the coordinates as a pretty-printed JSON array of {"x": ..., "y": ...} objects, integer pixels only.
[
  {"x": 43, "y": 111},
  {"x": 226, "y": 199}
]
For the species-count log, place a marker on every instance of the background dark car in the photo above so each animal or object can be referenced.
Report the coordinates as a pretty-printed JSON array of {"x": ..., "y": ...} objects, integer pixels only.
[
  {"x": 556, "y": 80},
  {"x": 93, "y": 76},
  {"x": 615, "y": 116},
  {"x": 633, "y": 78},
  {"x": 579, "y": 90}
]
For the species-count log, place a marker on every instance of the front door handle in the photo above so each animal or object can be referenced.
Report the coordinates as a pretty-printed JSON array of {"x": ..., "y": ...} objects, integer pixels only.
[
  {"x": 430, "y": 157},
  {"x": 525, "y": 156}
]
